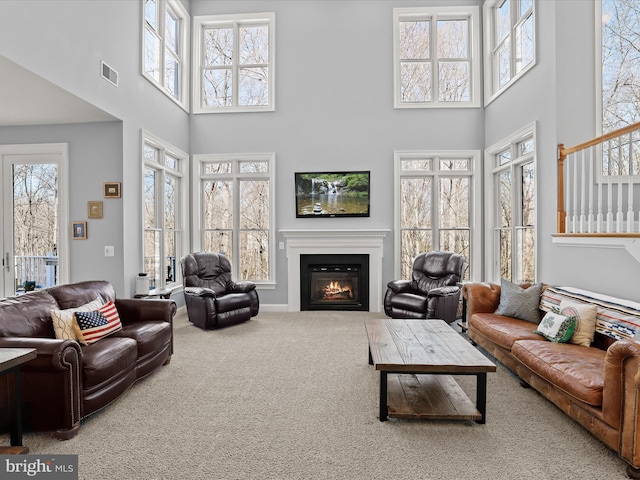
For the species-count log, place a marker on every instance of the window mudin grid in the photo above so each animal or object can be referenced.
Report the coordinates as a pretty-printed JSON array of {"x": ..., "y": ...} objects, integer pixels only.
[
  {"x": 234, "y": 63},
  {"x": 236, "y": 214},
  {"x": 436, "y": 57},
  {"x": 163, "y": 218},
  {"x": 435, "y": 201}
]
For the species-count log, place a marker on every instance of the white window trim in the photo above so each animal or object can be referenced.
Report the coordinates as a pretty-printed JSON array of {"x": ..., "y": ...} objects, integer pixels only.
[
  {"x": 183, "y": 211},
  {"x": 199, "y": 23},
  {"x": 475, "y": 54},
  {"x": 492, "y": 260},
  {"x": 61, "y": 151},
  {"x": 491, "y": 88},
  {"x": 196, "y": 209},
  {"x": 184, "y": 42},
  {"x": 475, "y": 197}
]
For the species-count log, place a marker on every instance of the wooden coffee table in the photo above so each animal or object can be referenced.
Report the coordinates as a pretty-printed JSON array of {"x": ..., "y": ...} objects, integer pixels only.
[{"x": 416, "y": 359}]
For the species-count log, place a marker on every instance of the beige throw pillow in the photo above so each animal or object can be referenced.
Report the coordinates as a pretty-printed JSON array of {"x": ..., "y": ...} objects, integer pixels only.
[
  {"x": 63, "y": 319},
  {"x": 585, "y": 314}
]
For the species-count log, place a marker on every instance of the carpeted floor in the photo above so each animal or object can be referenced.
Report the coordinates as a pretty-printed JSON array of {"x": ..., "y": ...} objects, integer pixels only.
[{"x": 291, "y": 396}]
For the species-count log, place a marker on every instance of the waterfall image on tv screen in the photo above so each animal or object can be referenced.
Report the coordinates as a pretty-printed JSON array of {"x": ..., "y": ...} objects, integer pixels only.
[{"x": 332, "y": 194}]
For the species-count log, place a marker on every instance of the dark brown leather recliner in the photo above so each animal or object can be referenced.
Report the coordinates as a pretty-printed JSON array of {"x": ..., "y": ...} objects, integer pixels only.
[
  {"x": 212, "y": 299},
  {"x": 432, "y": 292}
]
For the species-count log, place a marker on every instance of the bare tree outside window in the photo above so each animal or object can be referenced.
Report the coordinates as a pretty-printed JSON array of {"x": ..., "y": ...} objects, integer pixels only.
[
  {"x": 446, "y": 61},
  {"x": 514, "y": 206},
  {"x": 35, "y": 208},
  {"x": 236, "y": 215},
  {"x": 236, "y": 65},
  {"x": 162, "y": 244},
  {"x": 443, "y": 184},
  {"x": 620, "y": 64}
]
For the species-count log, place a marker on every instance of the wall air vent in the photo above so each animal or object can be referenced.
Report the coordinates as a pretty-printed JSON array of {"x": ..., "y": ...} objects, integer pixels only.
[{"x": 109, "y": 74}]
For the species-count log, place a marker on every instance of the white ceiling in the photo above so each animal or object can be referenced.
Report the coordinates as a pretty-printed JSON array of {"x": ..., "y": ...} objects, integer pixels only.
[{"x": 28, "y": 99}]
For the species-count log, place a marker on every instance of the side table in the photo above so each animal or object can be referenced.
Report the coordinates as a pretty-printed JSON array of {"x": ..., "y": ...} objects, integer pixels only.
[
  {"x": 156, "y": 292},
  {"x": 10, "y": 361}
]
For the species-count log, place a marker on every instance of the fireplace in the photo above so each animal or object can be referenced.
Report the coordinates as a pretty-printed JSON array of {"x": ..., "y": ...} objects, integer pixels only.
[
  {"x": 334, "y": 282},
  {"x": 335, "y": 242}
]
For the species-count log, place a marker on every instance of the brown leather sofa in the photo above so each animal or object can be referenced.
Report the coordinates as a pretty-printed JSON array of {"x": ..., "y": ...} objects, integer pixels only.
[
  {"x": 598, "y": 386},
  {"x": 68, "y": 381}
]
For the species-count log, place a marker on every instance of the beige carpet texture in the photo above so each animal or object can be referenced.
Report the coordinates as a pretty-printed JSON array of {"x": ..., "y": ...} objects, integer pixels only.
[{"x": 289, "y": 396}]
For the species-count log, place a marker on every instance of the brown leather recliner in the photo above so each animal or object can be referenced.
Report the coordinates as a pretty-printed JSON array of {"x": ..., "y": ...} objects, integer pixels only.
[
  {"x": 432, "y": 292},
  {"x": 212, "y": 298}
]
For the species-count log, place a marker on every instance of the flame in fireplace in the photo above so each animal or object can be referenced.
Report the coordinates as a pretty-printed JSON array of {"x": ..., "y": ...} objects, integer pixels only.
[{"x": 335, "y": 291}]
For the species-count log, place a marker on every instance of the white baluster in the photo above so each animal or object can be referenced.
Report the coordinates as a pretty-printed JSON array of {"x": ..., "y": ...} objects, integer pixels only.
[
  {"x": 599, "y": 218},
  {"x": 583, "y": 192},
  {"x": 630, "y": 213},
  {"x": 576, "y": 219},
  {"x": 619, "y": 214},
  {"x": 609, "y": 193},
  {"x": 590, "y": 219}
]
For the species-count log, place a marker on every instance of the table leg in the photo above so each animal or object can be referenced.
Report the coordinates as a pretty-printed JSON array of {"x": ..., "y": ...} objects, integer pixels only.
[
  {"x": 370, "y": 357},
  {"x": 481, "y": 396},
  {"x": 15, "y": 407},
  {"x": 384, "y": 412}
]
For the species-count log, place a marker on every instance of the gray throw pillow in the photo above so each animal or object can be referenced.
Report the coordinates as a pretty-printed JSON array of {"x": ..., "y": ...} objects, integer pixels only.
[{"x": 518, "y": 302}]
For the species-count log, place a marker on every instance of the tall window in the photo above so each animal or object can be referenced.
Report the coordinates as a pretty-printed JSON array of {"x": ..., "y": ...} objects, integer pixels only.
[
  {"x": 512, "y": 208},
  {"x": 510, "y": 48},
  {"x": 165, "y": 42},
  {"x": 234, "y": 63},
  {"x": 235, "y": 207},
  {"x": 436, "y": 57},
  {"x": 437, "y": 194},
  {"x": 165, "y": 200},
  {"x": 620, "y": 52}
]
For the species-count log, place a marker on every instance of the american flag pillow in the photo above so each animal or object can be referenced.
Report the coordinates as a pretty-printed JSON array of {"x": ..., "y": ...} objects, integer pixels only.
[{"x": 92, "y": 326}]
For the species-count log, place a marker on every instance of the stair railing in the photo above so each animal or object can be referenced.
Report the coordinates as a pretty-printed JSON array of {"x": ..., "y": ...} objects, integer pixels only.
[{"x": 599, "y": 185}]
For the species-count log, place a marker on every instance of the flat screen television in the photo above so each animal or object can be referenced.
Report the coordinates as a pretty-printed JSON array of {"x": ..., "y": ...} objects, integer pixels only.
[{"x": 332, "y": 194}]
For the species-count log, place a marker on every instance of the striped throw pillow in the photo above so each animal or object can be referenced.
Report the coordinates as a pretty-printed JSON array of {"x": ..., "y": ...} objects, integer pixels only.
[{"x": 615, "y": 317}]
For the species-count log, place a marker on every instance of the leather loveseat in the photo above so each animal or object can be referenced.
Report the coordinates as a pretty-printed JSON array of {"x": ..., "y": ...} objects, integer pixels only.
[
  {"x": 68, "y": 381},
  {"x": 596, "y": 385}
]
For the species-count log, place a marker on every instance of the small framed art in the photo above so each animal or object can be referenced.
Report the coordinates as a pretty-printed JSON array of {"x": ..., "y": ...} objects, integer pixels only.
[
  {"x": 94, "y": 209},
  {"x": 79, "y": 230},
  {"x": 111, "y": 189}
]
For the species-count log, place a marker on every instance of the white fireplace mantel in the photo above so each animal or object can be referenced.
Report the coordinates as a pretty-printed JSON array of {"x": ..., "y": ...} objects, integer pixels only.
[{"x": 330, "y": 242}]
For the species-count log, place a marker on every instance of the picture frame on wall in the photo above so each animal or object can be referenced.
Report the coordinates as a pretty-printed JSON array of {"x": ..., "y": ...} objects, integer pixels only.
[
  {"x": 111, "y": 189},
  {"x": 94, "y": 209},
  {"x": 79, "y": 230}
]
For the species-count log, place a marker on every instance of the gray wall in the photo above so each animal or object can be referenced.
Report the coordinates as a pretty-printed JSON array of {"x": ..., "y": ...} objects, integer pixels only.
[
  {"x": 558, "y": 94},
  {"x": 95, "y": 152},
  {"x": 65, "y": 42},
  {"x": 334, "y": 110}
]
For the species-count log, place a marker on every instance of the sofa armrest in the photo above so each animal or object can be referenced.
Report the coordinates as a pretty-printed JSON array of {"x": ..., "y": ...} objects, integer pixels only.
[
  {"x": 199, "y": 292},
  {"x": 481, "y": 297},
  {"x": 621, "y": 395},
  {"x": 241, "y": 287},
  {"x": 52, "y": 353},
  {"x": 52, "y": 383},
  {"x": 398, "y": 286},
  {"x": 132, "y": 310},
  {"x": 443, "y": 291}
]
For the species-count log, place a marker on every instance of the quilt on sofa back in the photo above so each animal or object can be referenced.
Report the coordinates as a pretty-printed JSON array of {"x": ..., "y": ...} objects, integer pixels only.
[{"x": 615, "y": 318}]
